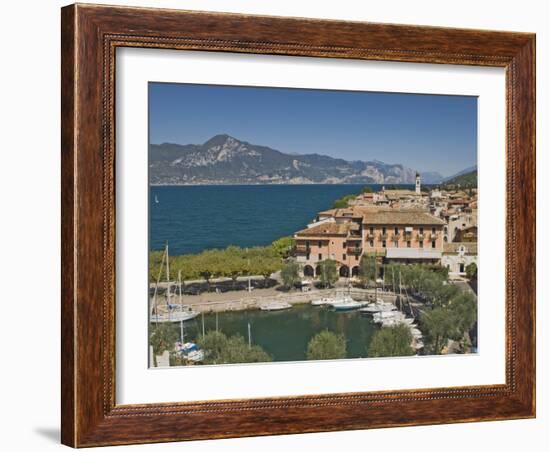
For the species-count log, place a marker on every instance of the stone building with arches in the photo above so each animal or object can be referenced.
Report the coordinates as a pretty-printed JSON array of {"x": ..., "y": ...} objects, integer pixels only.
[{"x": 346, "y": 235}]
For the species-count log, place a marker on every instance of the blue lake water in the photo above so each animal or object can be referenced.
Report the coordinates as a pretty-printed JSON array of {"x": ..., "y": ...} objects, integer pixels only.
[{"x": 194, "y": 218}]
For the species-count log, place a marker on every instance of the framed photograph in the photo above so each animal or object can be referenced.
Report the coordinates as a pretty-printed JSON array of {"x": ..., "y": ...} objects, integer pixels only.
[{"x": 282, "y": 225}]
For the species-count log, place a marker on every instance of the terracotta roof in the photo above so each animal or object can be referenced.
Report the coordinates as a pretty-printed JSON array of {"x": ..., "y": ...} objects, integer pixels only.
[
  {"x": 399, "y": 192},
  {"x": 402, "y": 217},
  {"x": 331, "y": 228},
  {"x": 453, "y": 247}
]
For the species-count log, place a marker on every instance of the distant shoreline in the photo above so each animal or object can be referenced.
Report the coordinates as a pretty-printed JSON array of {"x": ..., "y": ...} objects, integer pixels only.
[{"x": 279, "y": 184}]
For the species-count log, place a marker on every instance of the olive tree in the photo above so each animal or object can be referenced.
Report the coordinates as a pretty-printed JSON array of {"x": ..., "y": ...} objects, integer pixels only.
[
  {"x": 290, "y": 274},
  {"x": 327, "y": 345},
  {"x": 391, "y": 341},
  {"x": 329, "y": 272}
]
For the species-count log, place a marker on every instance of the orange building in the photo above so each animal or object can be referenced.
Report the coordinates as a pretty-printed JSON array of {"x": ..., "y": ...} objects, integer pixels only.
[{"x": 345, "y": 235}]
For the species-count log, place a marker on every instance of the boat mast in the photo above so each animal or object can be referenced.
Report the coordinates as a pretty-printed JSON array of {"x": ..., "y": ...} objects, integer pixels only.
[
  {"x": 249, "y": 337},
  {"x": 181, "y": 306},
  {"x": 375, "y": 279},
  {"x": 156, "y": 288}
]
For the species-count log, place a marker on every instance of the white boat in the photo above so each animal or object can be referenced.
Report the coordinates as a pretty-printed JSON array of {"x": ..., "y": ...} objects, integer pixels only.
[
  {"x": 177, "y": 315},
  {"x": 170, "y": 312},
  {"x": 195, "y": 356},
  {"x": 381, "y": 306},
  {"x": 156, "y": 200},
  {"x": 278, "y": 306},
  {"x": 321, "y": 301},
  {"x": 190, "y": 351},
  {"x": 380, "y": 317},
  {"x": 397, "y": 321},
  {"x": 346, "y": 304},
  {"x": 416, "y": 332}
]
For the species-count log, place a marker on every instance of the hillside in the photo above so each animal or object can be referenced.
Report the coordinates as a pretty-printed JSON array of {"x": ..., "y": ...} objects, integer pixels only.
[{"x": 227, "y": 160}]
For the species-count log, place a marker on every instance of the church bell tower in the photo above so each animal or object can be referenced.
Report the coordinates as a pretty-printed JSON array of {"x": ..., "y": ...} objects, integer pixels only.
[{"x": 418, "y": 187}]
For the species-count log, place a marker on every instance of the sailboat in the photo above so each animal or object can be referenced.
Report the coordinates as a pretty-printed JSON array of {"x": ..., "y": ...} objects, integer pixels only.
[
  {"x": 172, "y": 312},
  {"x": 156, "y": 200}
]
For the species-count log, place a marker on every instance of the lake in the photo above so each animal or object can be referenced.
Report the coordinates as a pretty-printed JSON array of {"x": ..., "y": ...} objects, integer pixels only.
[{"x": 194, "y": 218}]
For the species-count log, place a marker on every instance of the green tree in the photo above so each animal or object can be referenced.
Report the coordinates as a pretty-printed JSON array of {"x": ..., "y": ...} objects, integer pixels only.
[
  {"x": 367, "y": 189},
  {"x": 327, "y": 345},
  {"x": 343, "y": 202},
  {"x": 329, "y": 272},
  {"x": 221, "y": 349},
  {"x": 391, "y": 341},
  {"x": 290, "y": 274},
  {"x": 471, "y": 271},
  {"x": 367, "y": 270},
  {"x": 464, "y": 309},
  {"x": 283, "y": 246},
  {"x": 162, "y": 337},
  {"x": 266, "y": 266}
]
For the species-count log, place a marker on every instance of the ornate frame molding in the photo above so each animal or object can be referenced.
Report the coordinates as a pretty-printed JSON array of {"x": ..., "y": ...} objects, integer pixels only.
[{"x": 90, "y": 37}]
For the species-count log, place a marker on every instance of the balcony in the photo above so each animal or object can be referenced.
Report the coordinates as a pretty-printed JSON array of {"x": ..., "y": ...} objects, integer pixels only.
[
  {"x": 354, "y": 250},
  {"x": 384, "y": 236},
  {"x": 370, "y": 235},
  {"x": 303, "y": 249}
]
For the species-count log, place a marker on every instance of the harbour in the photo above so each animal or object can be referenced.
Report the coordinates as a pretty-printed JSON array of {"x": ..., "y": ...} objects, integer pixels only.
[{"x": 285, "y": 334}]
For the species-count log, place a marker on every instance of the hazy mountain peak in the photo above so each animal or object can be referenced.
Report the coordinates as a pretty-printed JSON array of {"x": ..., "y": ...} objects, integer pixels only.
[{"x": 219, "y": 140}]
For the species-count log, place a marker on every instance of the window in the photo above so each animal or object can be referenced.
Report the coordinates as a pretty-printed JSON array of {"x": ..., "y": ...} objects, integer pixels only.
[
  {"x": 421, "y": 244},
  {"x": 357, "y": 257},
  {"x": 307, "y": 243},
  {"x": 307, "y": 256},
  {"x": 343, "y": 244},
  {"x": 344, "y": 257},
  {"x": 371, "y": 230},
  {"x": 384, "y": 230},
  {"x": 433, "y": 230},
  {"x": 396, "y": 231},
  {"x": 408, "y": 243},
  {"x": 421, "y": 231},
  {"x": 396, "y": 244},
  {"x": 319, "y": 244},
  {"x": 433, "y": 243},
  {"x": 320, "y": 257},
  {"x": 383, "y": 244},
  {"x": 371, "y": 243}
]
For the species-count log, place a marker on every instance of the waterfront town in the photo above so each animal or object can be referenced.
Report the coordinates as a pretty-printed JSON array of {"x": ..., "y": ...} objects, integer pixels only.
[
  {"x": 394, "y": 225},
  {"x": 404, "y": 260}
]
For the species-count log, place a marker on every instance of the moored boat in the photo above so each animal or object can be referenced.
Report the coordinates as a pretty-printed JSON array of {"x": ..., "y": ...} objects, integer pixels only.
[
  {"x": 277, "y": 306},
  {"x": 380, "y": 306},
  {"x": 346, "y": 304},
  {"x": 321, "y": 301},
  {"x": 190, "y": 351}
]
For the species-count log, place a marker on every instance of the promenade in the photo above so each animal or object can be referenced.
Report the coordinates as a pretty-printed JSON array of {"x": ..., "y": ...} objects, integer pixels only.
[{"x": 241, "y": 300}]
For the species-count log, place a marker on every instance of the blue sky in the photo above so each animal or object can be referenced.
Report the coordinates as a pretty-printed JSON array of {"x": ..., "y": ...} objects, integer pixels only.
[{"x": 424, "y": 132}]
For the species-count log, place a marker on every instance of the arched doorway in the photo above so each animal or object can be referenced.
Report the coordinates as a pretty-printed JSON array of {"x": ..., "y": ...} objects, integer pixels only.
[
  {"x": 344, "y": 271},
  {"x": 308, "y": 270},
  {"x": 355, "y": 271}
]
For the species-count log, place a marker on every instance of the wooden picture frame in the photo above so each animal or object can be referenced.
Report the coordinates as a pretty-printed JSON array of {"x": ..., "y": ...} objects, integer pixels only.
[{"x": 90, "y": 36}]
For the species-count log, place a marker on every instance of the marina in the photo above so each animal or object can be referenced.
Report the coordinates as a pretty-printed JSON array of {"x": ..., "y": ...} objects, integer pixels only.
[{"x": 284, "y": 334}]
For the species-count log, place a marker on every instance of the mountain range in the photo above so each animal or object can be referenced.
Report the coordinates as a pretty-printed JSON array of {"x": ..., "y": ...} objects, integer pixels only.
[{"x": 226, "y": 160}]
